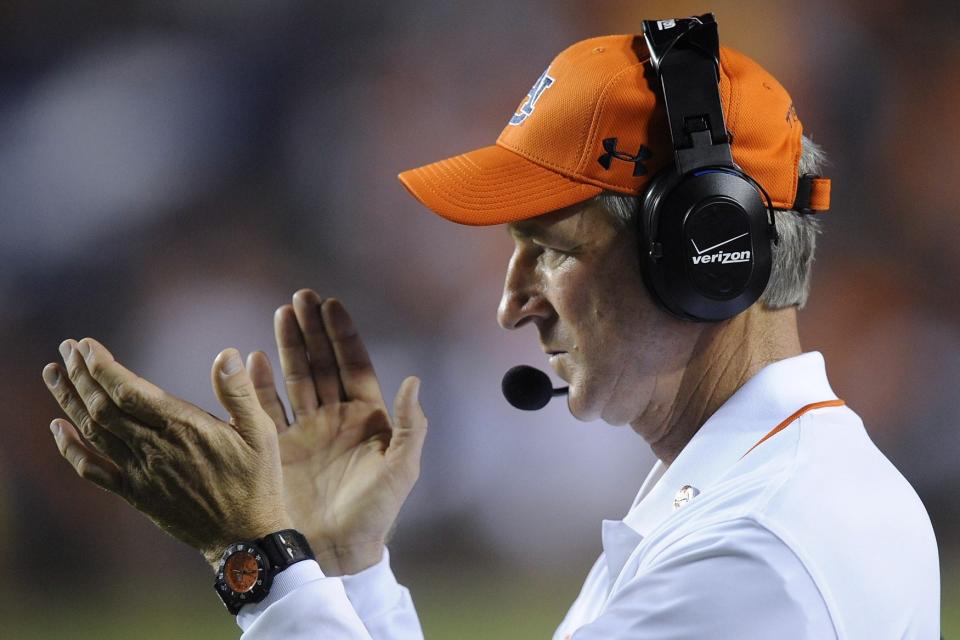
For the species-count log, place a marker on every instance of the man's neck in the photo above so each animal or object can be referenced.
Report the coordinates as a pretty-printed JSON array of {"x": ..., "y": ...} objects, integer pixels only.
[{"x": 725, "y": 357}]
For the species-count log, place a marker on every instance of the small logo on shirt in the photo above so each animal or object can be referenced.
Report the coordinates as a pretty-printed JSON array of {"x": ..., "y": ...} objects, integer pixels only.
[
  {"x": 529, "y": 103},
  {"x": 685, "y": 495}
]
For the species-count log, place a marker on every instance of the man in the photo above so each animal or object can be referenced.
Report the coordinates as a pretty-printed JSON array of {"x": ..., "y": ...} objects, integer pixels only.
[{"x": 769, "y": 514}]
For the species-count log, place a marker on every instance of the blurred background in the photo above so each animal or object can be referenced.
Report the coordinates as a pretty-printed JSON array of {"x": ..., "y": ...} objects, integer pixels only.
[{"x": 171, "y": 172}]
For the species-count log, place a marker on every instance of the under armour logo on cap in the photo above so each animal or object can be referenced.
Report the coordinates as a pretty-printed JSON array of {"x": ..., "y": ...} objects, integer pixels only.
[{"x": 610, "y": 146}]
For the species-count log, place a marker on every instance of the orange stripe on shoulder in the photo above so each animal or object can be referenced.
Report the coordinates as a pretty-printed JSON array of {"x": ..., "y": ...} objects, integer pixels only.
[{"x": 790, "y": 419}]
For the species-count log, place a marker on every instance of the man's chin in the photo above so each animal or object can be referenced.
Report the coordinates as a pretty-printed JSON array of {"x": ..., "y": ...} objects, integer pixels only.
[
  {"x": 579, "y": 405},
  {"x": 586, "y": 407}
]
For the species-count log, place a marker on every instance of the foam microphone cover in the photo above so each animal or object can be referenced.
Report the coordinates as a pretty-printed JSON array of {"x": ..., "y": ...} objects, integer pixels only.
[{"x": 527, "y": 388}]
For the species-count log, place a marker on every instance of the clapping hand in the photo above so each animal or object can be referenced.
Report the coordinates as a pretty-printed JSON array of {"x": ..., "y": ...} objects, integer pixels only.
[
  {"x": 205, "y": 481},
  {"x": 348, "y": 466}
]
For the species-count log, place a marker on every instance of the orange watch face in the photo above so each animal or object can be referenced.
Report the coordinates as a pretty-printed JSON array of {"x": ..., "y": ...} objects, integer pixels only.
[{"x": 241, "y": 571}]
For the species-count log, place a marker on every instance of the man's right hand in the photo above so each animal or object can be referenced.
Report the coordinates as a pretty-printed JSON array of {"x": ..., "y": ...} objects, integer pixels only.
[{"x": 347, "y": 466}]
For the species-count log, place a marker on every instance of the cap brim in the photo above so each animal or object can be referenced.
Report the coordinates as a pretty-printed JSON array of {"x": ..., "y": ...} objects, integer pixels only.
[{"x": 493, "y": 185}]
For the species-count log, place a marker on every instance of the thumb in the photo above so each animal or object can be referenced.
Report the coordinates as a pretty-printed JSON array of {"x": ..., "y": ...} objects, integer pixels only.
[
  {"x": 236, "y": 393},
  {"x": 409, "y": 426}
]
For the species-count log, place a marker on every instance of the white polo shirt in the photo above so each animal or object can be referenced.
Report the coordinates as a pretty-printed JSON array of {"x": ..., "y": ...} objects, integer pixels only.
[{"x": 812, "y": 534}]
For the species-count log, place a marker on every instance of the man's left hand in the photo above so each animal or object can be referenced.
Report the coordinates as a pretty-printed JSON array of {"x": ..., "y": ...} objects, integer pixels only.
[{"x": 207, "y": 482}]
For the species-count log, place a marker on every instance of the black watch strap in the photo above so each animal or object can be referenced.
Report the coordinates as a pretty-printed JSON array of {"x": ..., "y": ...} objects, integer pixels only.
[{"x": 285, "y": 548}]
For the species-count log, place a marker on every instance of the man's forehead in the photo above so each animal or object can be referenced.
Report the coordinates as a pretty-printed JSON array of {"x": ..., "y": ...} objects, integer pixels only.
[{"x": 570, "y": 219}]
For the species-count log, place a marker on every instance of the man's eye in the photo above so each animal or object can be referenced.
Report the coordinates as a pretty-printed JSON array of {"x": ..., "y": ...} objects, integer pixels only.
[{"x": 553, "y": 253}]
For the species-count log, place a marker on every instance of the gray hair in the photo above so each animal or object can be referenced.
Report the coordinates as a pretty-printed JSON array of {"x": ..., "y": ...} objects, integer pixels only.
[{"x": 792, "y": 257}]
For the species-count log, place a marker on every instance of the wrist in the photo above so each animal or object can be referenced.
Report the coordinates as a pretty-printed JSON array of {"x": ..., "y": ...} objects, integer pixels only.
[
  {"x": 213, "y": 554},
  {"x": 347, "y": 559}
]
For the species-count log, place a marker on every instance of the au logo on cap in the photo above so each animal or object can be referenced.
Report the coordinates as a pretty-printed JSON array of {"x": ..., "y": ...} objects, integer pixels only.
[{"x": 542, "y": 84}]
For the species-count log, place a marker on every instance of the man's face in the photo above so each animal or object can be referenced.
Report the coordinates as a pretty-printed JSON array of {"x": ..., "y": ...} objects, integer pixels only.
[{"x": 575, "y": 274}]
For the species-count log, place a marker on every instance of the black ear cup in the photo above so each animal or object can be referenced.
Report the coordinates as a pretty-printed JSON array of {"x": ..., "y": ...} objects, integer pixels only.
[
  {"x": 705, "y": 243},
  {"x": 706, "y": 227}
]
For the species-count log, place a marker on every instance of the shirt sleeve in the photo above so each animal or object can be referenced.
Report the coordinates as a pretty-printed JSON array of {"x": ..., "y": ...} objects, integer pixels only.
[
  {"x": 384, "y": 605},
  {"x": 303, "y": 603},
  {"x": 731, "y": 581}
]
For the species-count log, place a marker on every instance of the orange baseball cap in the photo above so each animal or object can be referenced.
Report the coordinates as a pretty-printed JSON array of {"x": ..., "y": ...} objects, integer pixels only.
[{"x": 592, "y": 123}]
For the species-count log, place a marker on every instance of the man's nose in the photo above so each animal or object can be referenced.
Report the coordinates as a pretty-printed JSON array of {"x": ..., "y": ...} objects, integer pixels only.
[{"x": 522, "y": 300}]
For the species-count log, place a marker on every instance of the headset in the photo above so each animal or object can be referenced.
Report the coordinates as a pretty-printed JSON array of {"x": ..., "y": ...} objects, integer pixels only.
[{"x": 706, "y": 227}]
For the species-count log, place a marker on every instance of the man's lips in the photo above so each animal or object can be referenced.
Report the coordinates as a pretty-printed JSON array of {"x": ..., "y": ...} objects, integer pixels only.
[
  {"x": 557, "y": 362},
  {"x": 554, "y": 356}
]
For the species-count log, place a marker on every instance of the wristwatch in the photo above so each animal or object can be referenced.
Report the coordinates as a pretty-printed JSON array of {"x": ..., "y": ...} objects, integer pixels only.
[{"x": 247, "y": 569}]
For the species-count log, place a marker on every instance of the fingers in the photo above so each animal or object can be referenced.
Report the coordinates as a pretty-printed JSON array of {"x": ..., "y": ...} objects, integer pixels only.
[
  {"x": 409, "y": 426},
  {"x": 261, "y": 373},
  {"x": 321, "y": 354},
  {"x": 356, "y": 371},
  {"x": 107, "y": 401},
  {"x": 88, "y": 464},
  {"x": 323, "y": 364},
  {"x": 294, "y": 363},
  {"x": 69, "y": 400},
  {"x": 236, "y": 393},
  {"x": 150, "y": 405}
]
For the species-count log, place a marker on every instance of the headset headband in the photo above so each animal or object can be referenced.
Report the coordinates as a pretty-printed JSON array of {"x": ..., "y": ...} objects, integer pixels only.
[{"x": 685, "y": 55}]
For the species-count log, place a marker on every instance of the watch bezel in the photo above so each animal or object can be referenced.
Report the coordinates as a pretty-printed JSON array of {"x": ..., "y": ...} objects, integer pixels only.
[{"x": 233, "y": 600}]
